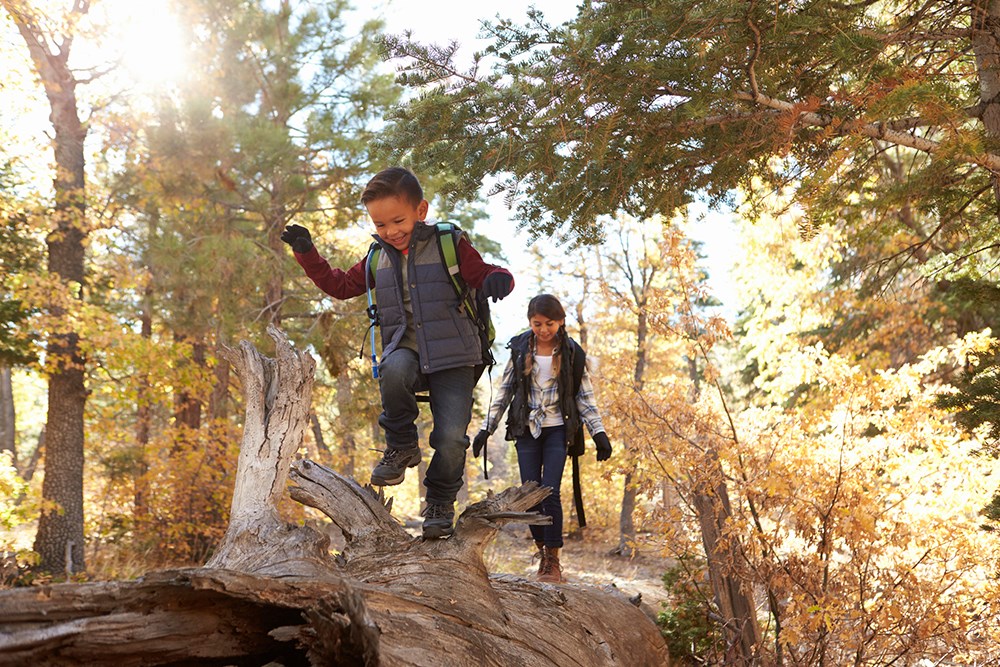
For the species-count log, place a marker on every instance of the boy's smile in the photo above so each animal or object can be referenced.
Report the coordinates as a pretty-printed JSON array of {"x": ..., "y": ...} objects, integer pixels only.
[{"x": 394, "y": 219}]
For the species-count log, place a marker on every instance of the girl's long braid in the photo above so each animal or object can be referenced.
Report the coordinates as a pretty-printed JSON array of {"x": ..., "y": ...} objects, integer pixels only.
[
  {"x": 557, "y": 352},
  {"x": 529, "y": 358}
]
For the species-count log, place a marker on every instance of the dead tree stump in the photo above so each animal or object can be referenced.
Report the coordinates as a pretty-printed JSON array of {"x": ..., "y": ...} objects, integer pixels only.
[{"x": 273, "y": 594}]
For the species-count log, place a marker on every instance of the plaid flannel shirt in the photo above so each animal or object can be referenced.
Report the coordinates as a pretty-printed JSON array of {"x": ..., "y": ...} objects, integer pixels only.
[{"x": 541, "y": 398}]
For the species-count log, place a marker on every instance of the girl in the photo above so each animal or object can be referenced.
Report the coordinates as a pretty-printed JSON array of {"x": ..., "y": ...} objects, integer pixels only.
[{"x": 548, "y": 390}]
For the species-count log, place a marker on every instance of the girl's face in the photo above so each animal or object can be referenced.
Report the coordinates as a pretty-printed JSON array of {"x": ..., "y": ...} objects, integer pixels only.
[{"x": 545, "y": 329}]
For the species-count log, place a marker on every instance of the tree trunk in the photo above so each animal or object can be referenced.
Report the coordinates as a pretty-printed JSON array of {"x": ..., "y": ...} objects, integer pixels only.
[
  {"x": 322, "y": 449},
  {"x": 735, "y": 602},
  {"x": 711, "y": 503},
  {"x": 626, "y": 521},
  {"x": 36, "y": 455},
  {"x": 8, "y": 421},
  {"x": 28, "y": 470},
  {"x": 143, "y": 413},
  {"x": 273, "y": 592},
  {"x": 349, "y": 447},
  {"x": 986, "y": 47},
  {"x": 187, "y": 407},
  {"x": 59, "y": 541},
  {"x": 218, "y": 403}
]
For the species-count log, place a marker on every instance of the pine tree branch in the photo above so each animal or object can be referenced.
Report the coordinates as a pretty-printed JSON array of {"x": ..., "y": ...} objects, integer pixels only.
[
  {"x": 875, "y": 130},
  {"x": 890, "y": 131}
]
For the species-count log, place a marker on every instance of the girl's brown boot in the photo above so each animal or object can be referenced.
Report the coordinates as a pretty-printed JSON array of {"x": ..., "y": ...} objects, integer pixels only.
[
  {"x": 540, "y": 556},
  {"x": 550, "y": 571}
]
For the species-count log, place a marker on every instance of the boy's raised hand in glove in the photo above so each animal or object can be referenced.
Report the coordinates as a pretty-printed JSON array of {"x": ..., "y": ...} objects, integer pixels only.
[
  {"x": 298, "y": 237},
  {"x": 497, "y": 285}
]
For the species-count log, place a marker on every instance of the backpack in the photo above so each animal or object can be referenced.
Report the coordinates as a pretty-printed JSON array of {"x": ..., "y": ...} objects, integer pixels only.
[{"x": 475, "y": 307}]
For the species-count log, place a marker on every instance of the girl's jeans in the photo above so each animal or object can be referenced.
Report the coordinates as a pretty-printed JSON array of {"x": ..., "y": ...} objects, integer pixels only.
[
  {"x": 542, "y": 460},
  {"x": 451, "y": 410}
]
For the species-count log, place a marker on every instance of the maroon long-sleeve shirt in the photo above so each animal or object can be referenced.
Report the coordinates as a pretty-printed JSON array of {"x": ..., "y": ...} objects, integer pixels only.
[{"x": 342, "y": 284}]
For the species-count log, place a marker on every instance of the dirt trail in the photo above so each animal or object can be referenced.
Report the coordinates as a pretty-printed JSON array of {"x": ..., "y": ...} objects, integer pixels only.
[{"x": 588, "y": 561}]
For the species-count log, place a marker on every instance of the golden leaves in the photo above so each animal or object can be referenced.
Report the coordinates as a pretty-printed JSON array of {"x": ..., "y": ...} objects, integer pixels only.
[{"x": 855, "y": 499}]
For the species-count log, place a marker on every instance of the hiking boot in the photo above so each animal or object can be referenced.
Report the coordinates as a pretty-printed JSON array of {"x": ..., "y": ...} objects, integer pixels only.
[
  {"x": 550, "y": 571},
  {"x": 392, "y": 468},
  {"x": 540, "y": 557},
  {"x": 437, "y": 520}
]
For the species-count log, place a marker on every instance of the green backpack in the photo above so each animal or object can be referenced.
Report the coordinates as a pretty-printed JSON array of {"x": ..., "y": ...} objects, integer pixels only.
[{"x": 476, "y": 308}]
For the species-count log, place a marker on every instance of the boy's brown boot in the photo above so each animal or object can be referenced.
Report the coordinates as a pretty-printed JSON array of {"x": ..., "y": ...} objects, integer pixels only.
[
  {"x": 550, "y": 570},
  {"x": 391, "y": 470},
  {"x": 437, "y": 520}
]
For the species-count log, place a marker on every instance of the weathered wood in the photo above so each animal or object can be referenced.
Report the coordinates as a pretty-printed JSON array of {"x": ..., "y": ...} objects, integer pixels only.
[
  {"x": 274, "y": 593},
  {"x": 277, "y": 393}
]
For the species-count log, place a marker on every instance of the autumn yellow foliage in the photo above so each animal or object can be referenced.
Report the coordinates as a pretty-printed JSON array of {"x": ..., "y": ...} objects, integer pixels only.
[{"x": 854, "y": 501}]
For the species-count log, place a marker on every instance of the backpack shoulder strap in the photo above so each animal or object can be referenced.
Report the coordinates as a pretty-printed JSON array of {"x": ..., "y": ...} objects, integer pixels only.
[
  {"x": 447, "y": 240},
  {"x": 371, "y": 266},
  {"x": 446, "y": 233}
]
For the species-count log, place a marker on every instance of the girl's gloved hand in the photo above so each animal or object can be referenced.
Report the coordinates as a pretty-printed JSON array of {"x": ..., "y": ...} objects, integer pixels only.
[
  {"x": 603, "y": 446},
  {"x": 479, "y": 442}
]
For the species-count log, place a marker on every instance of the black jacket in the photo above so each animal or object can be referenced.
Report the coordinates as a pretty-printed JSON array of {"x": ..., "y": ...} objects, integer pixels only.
[{"x": 571, "y": 369}]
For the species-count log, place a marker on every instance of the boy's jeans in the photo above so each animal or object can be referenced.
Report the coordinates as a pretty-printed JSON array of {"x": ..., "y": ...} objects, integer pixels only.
[
  {"x": 451, "y": 410},
  {"x": 542, "y": 460}
]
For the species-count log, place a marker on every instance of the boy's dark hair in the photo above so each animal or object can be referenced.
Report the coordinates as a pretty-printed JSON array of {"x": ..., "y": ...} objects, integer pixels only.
[
  {"x": 393, "y": 182},
  {"x": 547, "y": 306}
]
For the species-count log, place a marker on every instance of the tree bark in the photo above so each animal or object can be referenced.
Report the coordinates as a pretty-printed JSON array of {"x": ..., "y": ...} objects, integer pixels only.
[
  {"x": 187, "y": 407},
  {"x": 626, "y": 519},
  {"x": 36, "y": 455},
  {"x": 144, "y": 410},
  {"x": 8, "y": 420},
  {"x": 273, "y": 592},
  {"x": 986, "y": 46},
  {"x": 710, "y": 498},
  {"x": 344, "y": 406},
  {"x": 59, "y": 540},
  {"x": 736, "y": 606},
  {"x": 218, "y": 403}
]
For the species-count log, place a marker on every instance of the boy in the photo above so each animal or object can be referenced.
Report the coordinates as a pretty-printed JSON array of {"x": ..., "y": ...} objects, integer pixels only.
[{"x": 428, "y": 342}]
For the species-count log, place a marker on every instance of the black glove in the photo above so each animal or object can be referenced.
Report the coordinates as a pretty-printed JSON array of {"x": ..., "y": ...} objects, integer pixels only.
[
  {"x": 298, "y": 237},
  {"x": 479, "y": 442},
  {"x": 603, "y": 446},
  {"x": 497, "y": 285}
]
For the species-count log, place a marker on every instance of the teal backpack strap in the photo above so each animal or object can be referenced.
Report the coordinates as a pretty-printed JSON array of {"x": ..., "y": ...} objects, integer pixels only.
[{"x": 371, "y": 265}]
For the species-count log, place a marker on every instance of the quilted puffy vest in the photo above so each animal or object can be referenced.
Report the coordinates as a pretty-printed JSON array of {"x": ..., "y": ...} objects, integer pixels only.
[{"x": 446, "y": 337}]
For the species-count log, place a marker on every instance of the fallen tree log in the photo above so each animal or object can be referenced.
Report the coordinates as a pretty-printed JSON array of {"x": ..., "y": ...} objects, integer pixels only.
[{"x": 275, "y": 594}]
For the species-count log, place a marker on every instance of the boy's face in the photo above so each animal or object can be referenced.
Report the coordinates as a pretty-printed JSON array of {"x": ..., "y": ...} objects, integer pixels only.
[
  {"x": 394, "y": 218},
  {"x": 544, "y": 328}
]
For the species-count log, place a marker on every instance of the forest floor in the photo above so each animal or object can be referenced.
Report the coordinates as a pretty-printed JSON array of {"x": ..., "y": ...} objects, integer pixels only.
[{"x": 589, "y": 560}]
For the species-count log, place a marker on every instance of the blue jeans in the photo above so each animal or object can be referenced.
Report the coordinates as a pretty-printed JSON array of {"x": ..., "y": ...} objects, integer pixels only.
[
  {"x": 451, "y": 410},
  {"x": 542, "y": 460}
]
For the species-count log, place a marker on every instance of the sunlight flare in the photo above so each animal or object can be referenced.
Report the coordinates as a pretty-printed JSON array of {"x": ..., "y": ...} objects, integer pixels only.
[{"x": 153, "y": 44}]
